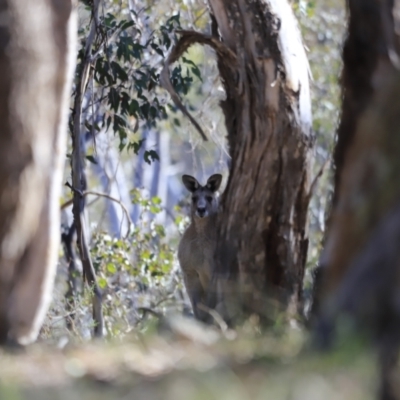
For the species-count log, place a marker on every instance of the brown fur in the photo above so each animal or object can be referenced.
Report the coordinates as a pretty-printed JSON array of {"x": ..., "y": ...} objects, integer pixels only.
[{"x": 197, "y": 246}]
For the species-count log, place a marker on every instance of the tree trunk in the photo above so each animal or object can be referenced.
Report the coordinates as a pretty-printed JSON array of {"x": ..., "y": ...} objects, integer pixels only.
[
  {"x": 262, "y": 236},
  {"x": 262, "y": 242},
  {"x": 37, "y": 54},
  {"x": 361, "y": 55},
  {"x": 367, "y": 187},
  {"x": 361, "y": 257}
]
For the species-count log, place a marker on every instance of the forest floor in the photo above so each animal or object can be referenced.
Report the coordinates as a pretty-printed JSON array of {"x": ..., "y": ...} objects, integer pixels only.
[{"x": 184, "y": 360}]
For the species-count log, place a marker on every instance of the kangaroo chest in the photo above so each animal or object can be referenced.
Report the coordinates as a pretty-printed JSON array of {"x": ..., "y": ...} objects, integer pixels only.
[
  {"x": 196, "y": 253},
  {"x": 202, "y": 250}
]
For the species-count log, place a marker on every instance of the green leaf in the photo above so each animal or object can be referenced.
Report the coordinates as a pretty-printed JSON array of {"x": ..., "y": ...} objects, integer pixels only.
[
  {"x": 114, "y": 99},
  {"x": 119, "y": 123},
  {"x": 133, "y": 108},
  {"x": 196, "y": 72},
  {"x": 136, "y": 145},
  {"x": 127, "y": 24},
  {"x": 102, "y": 283},
  {"x": 91, "y": 159},
  {"x": 119, "y": 72},
  {"x": 144, "y": 109},
  {"x": 150, "y": 156},
  {"x": 156, "y": 200},
  {"x": 155, "y": 209},
  {"x": 125, "y": 103},
  {"x": 109, "y": 119},
  {"x": 137, "y": 51},
  {"x": 122, "y": 138},
  {"x": 111, "y": 268},
  {"x": 145, "y": 254},
  {"x": 157, "y": 49}
]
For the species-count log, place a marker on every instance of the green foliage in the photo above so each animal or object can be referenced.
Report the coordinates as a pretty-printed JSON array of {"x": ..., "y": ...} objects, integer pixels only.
[
  {"x": 142, "y": 263},
  {"x": 126, "y": 65},
  {"x": 305, "y": 8},
  {"x": 123, "y": 97},
  {"x": 126, "y": 78}
]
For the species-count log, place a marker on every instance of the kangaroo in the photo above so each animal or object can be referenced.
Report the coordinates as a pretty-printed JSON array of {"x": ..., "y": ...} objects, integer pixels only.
[{"x": 196, "y": 248}]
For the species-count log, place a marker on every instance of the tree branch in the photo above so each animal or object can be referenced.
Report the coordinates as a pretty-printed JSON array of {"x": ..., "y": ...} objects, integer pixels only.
[
  {"x": 79, "y": 177},
  {"x": 187, "y": 39},
  {"x": 107, "y": 196}
]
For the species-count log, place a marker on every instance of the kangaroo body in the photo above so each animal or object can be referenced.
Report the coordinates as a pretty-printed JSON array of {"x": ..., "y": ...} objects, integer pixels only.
[{"x": 197, "y": 246}]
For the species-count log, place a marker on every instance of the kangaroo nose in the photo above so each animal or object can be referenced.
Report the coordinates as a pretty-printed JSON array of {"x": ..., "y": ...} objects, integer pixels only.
[{"x": 201, "y": 211}]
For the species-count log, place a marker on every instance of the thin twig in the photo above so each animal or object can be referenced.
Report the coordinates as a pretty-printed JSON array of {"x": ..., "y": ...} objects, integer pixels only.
[
  {"x": 316, "y": 179},
  {"x": 187, "y": 39},
  {"x": 147, "y": 310},
  {"x": 107, "y": 196},
  {"x": 216, "y": 317}
]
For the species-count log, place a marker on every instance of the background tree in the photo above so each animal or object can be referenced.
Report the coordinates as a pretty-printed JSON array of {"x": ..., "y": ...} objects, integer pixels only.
[{"x": 360, "y": 259}]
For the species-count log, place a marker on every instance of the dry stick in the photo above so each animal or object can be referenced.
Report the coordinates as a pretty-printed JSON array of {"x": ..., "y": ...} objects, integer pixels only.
[
  {"x": 79, "y": 179},
  {"x": 316, "y": 179},
  {"x": 217, "y": 318},
  {"x": 187, "y": 39},
  {"x": 67, "y": 239},
  {"x": 148, "y": 310},
  {"x": 107, "y": 196},
  {"x": 87, "y": 266}
]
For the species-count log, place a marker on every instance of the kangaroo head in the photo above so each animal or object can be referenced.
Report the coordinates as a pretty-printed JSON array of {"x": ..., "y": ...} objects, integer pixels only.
[{"x": 204, "y": 199}]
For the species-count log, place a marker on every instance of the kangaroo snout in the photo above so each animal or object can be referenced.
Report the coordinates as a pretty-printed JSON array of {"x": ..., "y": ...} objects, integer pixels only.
[{"x": 201, "y": 212}]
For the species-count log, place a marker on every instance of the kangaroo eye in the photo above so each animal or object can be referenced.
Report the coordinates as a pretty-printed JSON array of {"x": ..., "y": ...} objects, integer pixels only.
[
  {"x": 209, "y": 199},
  {"x": 194, "y": 199}
]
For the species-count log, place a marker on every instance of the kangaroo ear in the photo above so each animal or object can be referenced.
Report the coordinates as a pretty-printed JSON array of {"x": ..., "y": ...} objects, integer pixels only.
[
  {"x": 190, "y": 183},
  {"x": 214, "y": 182}
]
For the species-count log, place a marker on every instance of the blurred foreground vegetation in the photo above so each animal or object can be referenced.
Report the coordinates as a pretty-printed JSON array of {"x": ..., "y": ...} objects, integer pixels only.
[{"x": 187, "y": 361}]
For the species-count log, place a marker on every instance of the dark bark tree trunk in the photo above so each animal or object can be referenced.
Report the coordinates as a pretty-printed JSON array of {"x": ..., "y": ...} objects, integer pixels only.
[
  {"x": 367, "y": 138},
  {"x": 361, "y": 257},
  {"x": 37, "y": 54},
  {"x": 262, "y": 238},
  {"x": 78, "y": 175},
  {"x": 262, "y": 242}
]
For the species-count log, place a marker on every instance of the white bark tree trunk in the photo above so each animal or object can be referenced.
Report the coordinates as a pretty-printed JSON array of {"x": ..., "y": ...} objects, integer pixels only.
[{"x": 37, "y": 56}]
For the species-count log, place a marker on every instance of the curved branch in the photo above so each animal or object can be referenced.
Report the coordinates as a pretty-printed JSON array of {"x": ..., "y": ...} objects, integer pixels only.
[
  {"x": 187, "y": 39},
  {"x": 107, "y": 196}
]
